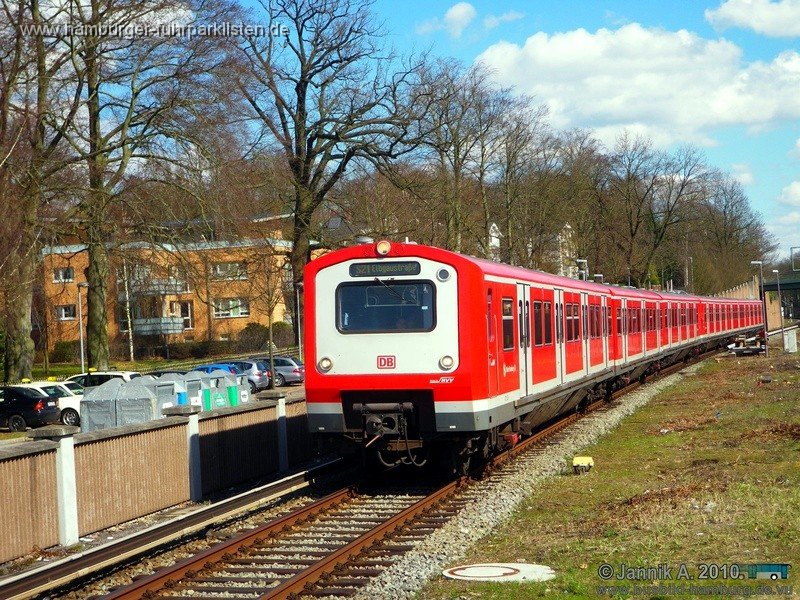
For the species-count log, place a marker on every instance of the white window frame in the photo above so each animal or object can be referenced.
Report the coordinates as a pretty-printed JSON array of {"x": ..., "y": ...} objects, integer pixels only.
[
  {"x": 58, "y": 275},
  {"x": 60, "y": 312},
  {"x": 228, "y": 271},
  {"x": 231, "y": 306},
  {"x": 175, "y": 311}
]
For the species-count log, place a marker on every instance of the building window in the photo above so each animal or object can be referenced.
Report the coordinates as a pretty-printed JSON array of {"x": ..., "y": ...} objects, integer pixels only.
[
  {"x": 184, "y": 310},
  {"x": 228, "y": 308},
  {"x": 63, "y": 275},
  {"x": 65, "y": 312},
  {"x": 179, "y": 279},
  {"x": 228, "y": 270}
]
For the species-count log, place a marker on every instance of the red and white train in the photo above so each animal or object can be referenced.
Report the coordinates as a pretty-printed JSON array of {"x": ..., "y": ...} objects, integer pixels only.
[{"x": 411, "y": 347}]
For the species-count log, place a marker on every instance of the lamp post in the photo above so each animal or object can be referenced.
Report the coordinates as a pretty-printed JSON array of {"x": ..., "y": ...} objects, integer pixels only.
[
  {"x": 585, "y": 264},
  {"x": 780, "y": 307},
  {"x": 83, "y": 284},
  {"x": 760, "y": 265},
  {"x": 297, "y": 288}
]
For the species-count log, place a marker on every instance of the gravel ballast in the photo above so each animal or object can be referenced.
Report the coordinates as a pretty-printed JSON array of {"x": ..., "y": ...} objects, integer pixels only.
[{"x": 494, "y": 500}]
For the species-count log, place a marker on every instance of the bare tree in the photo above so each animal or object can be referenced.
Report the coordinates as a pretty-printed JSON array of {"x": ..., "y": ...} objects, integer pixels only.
[
  {"x": 133, "y": 89},
  {"x": 38, "y": 102},
  {"x": 324, "y": 97}
]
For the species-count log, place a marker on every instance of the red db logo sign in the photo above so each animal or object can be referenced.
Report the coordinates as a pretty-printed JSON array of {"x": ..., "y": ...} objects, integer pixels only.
[{"x": 386, "y": 362}]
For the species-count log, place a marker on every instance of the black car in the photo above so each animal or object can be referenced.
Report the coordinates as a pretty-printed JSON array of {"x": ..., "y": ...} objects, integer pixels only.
[
  {"x": 167, "y": 372},
  {"x": 20, "y": 407}
]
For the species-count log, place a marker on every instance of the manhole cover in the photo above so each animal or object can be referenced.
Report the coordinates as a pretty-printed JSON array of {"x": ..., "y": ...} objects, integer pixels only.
[{"x": 500, "y": 572}]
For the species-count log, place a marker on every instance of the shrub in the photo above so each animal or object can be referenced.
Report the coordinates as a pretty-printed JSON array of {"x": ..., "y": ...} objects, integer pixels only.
[
  {"x": 252, "y": 338},
  {"x": 282, "y": 334},
  {"x": 65, "y": 351}
]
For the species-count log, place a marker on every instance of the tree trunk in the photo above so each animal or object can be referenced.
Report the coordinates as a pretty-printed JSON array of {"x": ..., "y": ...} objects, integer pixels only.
[
  {"x": 20, "y": 348},
  {"x": 97, "y": 323},
  {"x": 299, "y": 255}
]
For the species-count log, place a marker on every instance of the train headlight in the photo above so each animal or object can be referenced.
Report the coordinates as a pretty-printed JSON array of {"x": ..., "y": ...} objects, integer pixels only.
[
  {"x": 446, "y": 362},
  {"x": 325, "y": 364},
  {"x": 383, "y": 247}
]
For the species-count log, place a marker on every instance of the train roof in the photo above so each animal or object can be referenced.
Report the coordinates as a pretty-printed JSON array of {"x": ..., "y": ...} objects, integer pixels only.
[{"x": 497, "y": 269}]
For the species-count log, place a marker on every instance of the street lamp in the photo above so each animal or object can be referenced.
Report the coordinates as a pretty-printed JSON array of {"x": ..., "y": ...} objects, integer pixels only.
[
  {"x": 585, "y": 270},
  {"x": 600, "y": 275},
  {"x": 780, "y": 307},
  {"x": 82, "y": 284},
  {"x": 760, "y": 265}
]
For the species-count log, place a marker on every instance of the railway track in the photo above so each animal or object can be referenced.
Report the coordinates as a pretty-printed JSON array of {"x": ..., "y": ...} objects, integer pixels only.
[{"x": 330, "y": 548}]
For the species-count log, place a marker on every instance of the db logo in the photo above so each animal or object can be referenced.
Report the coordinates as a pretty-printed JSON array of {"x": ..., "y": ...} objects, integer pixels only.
[{"x": 386, "y": 362}]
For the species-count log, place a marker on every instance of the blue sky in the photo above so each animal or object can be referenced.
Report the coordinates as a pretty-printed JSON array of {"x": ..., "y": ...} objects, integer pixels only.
[{"x": 724, "y": 75}]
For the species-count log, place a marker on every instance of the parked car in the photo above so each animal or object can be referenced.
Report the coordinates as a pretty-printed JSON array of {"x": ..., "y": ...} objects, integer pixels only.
[
  {"x": 230, "y": 367},
  {"x": 167, "y": 372},
  {"x": 258, "y": 375},
  {"x": 95, "y": 378},
  {"x": 69, "y": 401},
  {"x": 22, "y": 406},
  {"x": 286, "y": 369}
]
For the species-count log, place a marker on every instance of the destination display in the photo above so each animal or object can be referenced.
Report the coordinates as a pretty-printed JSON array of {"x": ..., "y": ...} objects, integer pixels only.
[{"x": 384, "y": 269}]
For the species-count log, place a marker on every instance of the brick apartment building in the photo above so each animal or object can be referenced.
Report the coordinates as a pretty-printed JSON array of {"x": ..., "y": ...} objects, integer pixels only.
[{"x": 168, "y": 293}]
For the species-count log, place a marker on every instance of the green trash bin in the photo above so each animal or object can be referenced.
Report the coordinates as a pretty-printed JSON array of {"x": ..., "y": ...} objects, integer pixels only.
[
  {"x": 220, "y": 400},
  {"x": 207, "y": 399},
  {"x": 233, "y": 395}
]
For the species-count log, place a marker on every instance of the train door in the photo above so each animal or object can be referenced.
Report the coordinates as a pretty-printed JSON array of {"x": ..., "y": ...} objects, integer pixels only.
[
  {"x": 524, "y": 319},
  {"x": 605, "y": 312},
  {"x": 574, "y": 346},
  {"x": 622, "y": 328},
  {"x": 585, "y": 331},
  {"x": 558, "y": 303},
  {"x": 542, "y": 343}
]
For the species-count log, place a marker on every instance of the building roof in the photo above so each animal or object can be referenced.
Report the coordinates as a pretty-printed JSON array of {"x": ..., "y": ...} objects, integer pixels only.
[{"x": 189, "y": 246}]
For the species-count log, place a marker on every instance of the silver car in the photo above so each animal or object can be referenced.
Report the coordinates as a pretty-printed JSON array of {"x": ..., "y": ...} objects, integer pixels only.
[
  {"x": 257, "y": 373},
  {"x": 287, "y": 369}
]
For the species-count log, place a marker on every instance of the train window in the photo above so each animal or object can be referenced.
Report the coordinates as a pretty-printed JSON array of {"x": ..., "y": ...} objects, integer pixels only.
[
  {"x": 489, "y": 316},
  {"x": 619, "y": 321},
  {"x": 391, "y": 306},
  {"x": 508, "y": 324},
  {"x": 548, "y": 323},
  {"x": 568, "y": 318},
  {"x": 537, "y": 323},
  {"x": 607, "y": 310}
]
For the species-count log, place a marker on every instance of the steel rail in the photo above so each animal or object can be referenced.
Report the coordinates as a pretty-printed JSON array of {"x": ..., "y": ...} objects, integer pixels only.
[
  {"x": 319, "y": 570},
  {"x": 43, "y": 579},
  {"x": 163, "y": 577}
]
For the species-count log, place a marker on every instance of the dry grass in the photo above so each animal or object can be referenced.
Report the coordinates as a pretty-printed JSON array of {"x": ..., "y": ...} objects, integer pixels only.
[{"x": 707, "y": 472}]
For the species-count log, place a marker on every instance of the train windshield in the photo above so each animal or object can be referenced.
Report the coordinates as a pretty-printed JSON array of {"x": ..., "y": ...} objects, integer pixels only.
[{"x": 379, "y": 306}]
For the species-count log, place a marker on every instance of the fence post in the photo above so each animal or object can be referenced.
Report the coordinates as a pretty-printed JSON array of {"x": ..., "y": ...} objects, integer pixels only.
[
  {"x": 66, "y": 484},
  {"x": 193, "y": 446},
  {"x": 280, "y": 413}
]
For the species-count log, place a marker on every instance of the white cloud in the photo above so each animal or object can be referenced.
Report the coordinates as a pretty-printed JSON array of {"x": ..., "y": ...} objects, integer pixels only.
[
  {"x": 774, "y": 19},
  {"x": 790, "y": 195},
  {"x": 493, "y": 21},
  {"x": 457, "y": 18},
  {"x": 743, "y": 173},
  {"x": 671, "y": 86}
]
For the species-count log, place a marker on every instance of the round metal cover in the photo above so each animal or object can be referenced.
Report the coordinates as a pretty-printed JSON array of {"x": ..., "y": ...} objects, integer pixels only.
[{"x": 500, "y": 572}]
